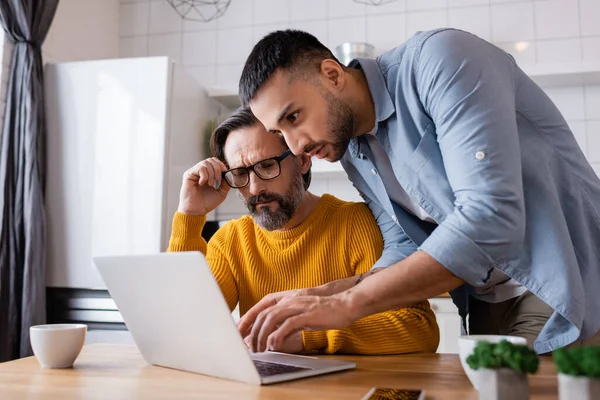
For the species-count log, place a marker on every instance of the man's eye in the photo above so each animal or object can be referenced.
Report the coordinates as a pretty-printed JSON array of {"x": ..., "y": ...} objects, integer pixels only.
[
  {"x": 268, "y": 164},
  {"x": 292, "y": 117}
]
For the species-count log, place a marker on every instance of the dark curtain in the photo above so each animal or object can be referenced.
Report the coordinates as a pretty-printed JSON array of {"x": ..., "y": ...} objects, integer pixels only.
[{"x": 22, "y": 163}]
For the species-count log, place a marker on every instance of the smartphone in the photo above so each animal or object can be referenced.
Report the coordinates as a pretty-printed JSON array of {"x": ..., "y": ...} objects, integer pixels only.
[{"x": 378, "y": 393}]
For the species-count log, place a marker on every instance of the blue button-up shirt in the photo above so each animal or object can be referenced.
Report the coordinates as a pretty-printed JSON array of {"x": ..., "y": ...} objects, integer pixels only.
[{"x": 484, "y": 151}]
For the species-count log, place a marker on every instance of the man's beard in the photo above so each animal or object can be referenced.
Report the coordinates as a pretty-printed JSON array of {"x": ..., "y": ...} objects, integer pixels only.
[
  {"x": 287, "y": 206},
  {"x": 340, "y": 126}
]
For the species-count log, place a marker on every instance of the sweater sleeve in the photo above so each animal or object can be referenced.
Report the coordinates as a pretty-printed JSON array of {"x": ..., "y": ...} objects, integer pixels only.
[
  {"x": 187, "y": 236},
  {"x": 409, "y": 329}
]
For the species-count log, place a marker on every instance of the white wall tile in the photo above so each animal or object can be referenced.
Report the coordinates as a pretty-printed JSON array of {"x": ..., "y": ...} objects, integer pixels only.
[
  {"x": 133, "y": 19},
  {"x": 592, "y": 101},
  {"x": 260, "y": 31},
  {"x": 569, "y": 100},
  {"x": 590, "y": 17},
  {"x": 238, "y": 14},
  {"x": 512, "y": 22},
  {"x": 591, "y": 48},
  {"x": 306, "y": 10},
  {"x": 271, "y": 12},
  {"x": 556, "y": 51},
  {"x": 592, "y": 130},
  {"x": 234, "y": 45},
  {"x": 462, "y": 3},
  {"x": 386, "y": 31},
  {"x": 346, "y": 30},
  {"x": 425, "y": 20},
  {"x": 523, "y": 52},
  {"x": 506, "y": 1},
  {"x": 229, "y": 75},
  {"x": 199, "y": 48},
  {"x": 135, "y": 46},
  {"x": 205, "y": 76},
  {"x": 345, "y": 8},
  {"x": 578, "y": 129},
  {"x": 388, "y": 7},
  {"x": 471, "y": 19},
  {"x": 196, "y": 24},
  {"x": 315, "y": 28},
  {"x": 165, "y": 45},
  {"x": 414, "y": 5},
  {"x": 556, "y": 19},
  {"x": 164, "y": 19}
]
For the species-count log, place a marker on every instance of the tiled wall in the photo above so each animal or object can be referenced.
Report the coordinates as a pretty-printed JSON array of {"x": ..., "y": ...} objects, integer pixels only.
[
  {"x": 534, "y": 31},
  {"x": 544, "y": 31}
]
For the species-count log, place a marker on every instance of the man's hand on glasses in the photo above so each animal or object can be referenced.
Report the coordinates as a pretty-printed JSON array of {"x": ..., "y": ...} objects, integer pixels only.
[{"x": 202, "y": 189}]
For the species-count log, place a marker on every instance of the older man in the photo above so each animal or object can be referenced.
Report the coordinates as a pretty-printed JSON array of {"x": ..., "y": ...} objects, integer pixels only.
[{"x": 292, "y": 239}]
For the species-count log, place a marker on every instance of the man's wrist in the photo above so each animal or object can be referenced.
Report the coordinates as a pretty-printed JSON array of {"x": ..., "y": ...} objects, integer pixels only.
[
  {"x": 352, "y": 303},
  {"x": 185, "y": 211}
]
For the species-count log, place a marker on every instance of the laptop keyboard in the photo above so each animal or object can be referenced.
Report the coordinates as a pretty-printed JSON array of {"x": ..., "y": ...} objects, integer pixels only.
[{"x": 269, "y": 369}]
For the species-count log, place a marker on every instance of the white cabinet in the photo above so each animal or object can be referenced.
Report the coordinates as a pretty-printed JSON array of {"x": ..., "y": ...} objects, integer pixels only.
[
  {"x": 120, "y": 135},
  {"x": 446, "y": 314}
]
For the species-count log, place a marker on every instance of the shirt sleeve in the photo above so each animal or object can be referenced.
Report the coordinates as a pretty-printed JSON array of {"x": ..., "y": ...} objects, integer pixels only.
[
  {"x": 186, "y": 235},
  {"x": 405, "y": 330},
  {"x": 467, "y": 86}
]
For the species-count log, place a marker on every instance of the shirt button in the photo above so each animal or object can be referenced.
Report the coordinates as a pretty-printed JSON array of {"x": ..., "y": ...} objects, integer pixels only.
[
  {"x": 394, "y": 218},
  {"x": 374, "y": 171},
  {"x": 480, "y": 155}
]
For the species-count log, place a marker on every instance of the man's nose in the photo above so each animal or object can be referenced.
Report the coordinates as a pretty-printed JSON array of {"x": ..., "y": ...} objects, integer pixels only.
[
  {"x": 295, "y": 143},
  {"x": 256, "y": 185}
]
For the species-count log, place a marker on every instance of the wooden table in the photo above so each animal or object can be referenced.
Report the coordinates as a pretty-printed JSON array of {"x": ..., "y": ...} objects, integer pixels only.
[{"x": 119, "y": 372}]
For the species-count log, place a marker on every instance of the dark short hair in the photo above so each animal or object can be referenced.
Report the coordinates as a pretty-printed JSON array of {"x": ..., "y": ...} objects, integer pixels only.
[
  {"x": 241, "y": 118},
  {"x": 290, "y": 50}
]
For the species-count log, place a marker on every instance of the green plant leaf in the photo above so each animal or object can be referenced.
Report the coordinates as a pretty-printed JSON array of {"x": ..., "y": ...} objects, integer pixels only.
[
  {"x": 578, "y": 361},
  {"x": 504, "y": 355}
]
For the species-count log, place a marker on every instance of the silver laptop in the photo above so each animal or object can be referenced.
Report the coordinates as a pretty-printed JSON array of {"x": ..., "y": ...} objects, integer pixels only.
[{"x": 178, "y": 318}]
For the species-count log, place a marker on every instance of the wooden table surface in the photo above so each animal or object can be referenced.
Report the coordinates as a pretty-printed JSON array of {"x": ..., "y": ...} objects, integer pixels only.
[{"x": 105, "y": 371}]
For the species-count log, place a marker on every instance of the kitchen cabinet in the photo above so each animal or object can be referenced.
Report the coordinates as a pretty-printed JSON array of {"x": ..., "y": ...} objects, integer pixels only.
[{"x": 446, "y": 314}]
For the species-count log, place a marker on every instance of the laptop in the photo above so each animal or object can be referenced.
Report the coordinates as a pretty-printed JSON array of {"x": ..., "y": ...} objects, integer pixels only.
[{"x": 174, "y": 309}]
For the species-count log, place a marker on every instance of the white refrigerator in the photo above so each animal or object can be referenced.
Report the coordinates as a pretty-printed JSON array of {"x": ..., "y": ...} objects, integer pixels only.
[{"x": 120, "y": 135}]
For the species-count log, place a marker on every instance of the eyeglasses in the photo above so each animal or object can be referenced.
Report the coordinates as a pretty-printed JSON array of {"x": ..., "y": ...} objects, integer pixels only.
[{"x": 266, "y": 170}]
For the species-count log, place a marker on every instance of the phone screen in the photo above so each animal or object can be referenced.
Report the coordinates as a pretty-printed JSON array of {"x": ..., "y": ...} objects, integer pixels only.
[{"x": 394, "y": 394}]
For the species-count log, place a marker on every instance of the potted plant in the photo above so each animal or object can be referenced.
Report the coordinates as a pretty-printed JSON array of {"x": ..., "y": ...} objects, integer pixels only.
[
  {"x": 578, "y": 372},
  {"x": 503, "y": 368}
]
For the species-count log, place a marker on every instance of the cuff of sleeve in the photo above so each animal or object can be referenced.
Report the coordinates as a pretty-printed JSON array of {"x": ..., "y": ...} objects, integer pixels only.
[
  {"x": 459, "y": 254},
  {"x": 314, "y": 340},
  {"x": 187, "y": 226},
  {"x": 393, "y": 256}
]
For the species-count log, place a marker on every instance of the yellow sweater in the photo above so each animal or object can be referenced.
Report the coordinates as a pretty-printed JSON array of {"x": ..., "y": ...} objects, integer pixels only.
[{"x": 338, "y": 240}]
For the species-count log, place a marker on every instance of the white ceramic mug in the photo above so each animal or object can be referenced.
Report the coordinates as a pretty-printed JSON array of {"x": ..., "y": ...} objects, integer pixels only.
[{"x": 57, "y": 345}]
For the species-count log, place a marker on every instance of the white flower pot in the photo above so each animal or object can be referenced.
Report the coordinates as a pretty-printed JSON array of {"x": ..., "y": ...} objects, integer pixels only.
[
  {"x": 578, "y": 387},
  {"x": 502, "y": 384}
]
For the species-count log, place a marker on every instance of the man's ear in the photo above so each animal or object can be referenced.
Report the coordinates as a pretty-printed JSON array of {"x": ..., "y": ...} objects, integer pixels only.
[
  {"x": 333, "y": 74},
  {"x": 305, "y": 162}
]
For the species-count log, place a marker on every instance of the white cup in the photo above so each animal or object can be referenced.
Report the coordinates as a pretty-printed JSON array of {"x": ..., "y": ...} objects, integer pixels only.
[
  {"x": 57, "y": 345},
  {"x": 466, "y": 344}
]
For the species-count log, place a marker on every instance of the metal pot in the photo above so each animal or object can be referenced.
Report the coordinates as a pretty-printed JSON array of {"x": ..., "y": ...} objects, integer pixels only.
[{"x": 348, "y": 51}]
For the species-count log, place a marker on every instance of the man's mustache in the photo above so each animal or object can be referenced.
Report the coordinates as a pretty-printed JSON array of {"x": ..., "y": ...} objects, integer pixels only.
[{"x": 262, "y": 198}]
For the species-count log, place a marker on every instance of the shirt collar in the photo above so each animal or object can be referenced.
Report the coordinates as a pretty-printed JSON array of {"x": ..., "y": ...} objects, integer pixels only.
[{"x": 384, "y": 106}]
